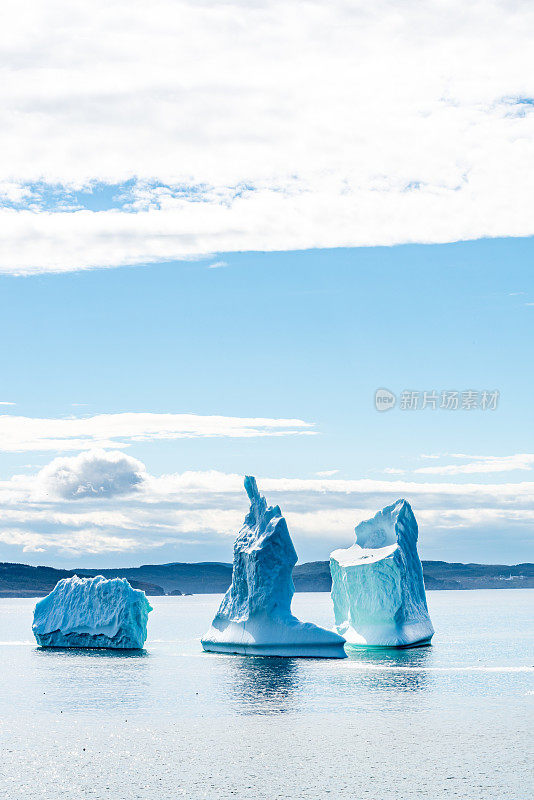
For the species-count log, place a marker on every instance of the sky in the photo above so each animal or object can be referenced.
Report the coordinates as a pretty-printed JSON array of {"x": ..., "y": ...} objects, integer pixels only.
[{"x": 224, "y": 228}]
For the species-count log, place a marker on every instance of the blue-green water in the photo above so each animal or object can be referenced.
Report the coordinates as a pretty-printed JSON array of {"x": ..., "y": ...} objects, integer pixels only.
[{"x": 450, "y": 721}]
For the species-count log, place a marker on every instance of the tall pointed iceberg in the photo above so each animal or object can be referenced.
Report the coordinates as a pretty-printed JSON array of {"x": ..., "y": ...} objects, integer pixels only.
[
  {"x": 255, "y": 616},
  {"x": 377, "y": 584}
]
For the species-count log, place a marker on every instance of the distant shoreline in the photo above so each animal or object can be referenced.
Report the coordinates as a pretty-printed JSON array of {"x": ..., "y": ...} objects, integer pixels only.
[{"x": 22, "y": 580}]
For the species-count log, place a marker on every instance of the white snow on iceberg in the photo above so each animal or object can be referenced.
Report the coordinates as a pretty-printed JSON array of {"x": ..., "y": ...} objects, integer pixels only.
[
  {"x": 92, "y": 612},
  {"x": 255, "y": 616},
  {"x": 377, "y": 584}
]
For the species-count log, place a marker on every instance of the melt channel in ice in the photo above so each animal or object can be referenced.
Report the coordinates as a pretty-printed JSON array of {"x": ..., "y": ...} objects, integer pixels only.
[
  {"x": 377, "y": 584},
  {"x": 92, "y": 612},
  {"x": 255, "y": 616}
]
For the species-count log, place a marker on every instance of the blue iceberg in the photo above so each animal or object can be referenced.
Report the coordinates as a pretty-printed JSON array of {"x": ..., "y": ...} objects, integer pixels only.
[
  {"x": 255, "y": 616},
  {"x": 377, "y": 584},
  {"x": 92, "y": 612}
]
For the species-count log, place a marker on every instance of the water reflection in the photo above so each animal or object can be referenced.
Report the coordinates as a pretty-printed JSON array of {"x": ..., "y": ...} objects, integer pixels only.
[
  {"x": 256, "y": 685},
  {"x": 83, "y": 679},
  {"x": 262, "y": 685},
  {"x": 403, "y": 670},
  {"x": 87, "y": 652}
]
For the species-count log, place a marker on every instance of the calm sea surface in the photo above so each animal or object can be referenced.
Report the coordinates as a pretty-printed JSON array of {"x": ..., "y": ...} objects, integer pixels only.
[{"x": 453, "y": 720}]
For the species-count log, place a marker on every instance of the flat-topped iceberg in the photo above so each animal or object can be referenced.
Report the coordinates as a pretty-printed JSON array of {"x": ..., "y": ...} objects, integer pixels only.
[
  {"x": 255, "y": 616},
  {"x": 377, "y": 584},
  {"x": 92, "y": 612}
]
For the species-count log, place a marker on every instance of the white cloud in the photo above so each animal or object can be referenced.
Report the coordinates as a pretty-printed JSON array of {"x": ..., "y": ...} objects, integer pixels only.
[
  {"x": 74, "y": 543},
  {"x": 262, "y": 126},
  {"x": 339, "y": 524},
  {"x": 88, "y": 510},
  {"x": 482, "y": 464},
  {"x": 218, "y": 264},
  {"x": 327, "y": 473},
  {"x": 18, "y": 434},
  {"x": 13, "y": 192},
  {"x": 94, "y": 473},
  {"x": 6, "y": 403}
]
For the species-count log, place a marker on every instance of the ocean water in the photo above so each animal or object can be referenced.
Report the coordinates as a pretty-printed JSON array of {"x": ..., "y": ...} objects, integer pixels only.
[{"x": 453, "y": 720}]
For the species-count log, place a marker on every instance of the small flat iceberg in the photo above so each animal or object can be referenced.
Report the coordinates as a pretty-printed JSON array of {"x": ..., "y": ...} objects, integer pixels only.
[
  {"x": 92, "y": 612},
  {"x": 377, "y": 584},
  {"x": 255, "y": 616}
]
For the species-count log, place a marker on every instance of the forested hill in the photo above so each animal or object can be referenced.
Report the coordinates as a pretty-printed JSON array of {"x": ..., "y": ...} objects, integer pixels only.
[{"x": 21, "y": 580}]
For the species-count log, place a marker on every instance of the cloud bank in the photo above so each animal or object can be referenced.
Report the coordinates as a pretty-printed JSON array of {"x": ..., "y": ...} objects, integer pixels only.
[
  {"x": 178, "y": 129},
  {"x": 107, "y": 502}
]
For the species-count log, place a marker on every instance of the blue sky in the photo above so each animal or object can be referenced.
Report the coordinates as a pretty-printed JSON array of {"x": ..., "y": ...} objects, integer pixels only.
[
  {"x": 224, "y": 227},
  {"x": 306, "y": 335}
]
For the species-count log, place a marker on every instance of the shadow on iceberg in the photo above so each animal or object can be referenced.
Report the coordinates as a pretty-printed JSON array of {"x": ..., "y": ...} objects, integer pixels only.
[
  {"x": 255, "y": 616},
  {"x": 377, "y": 584}
]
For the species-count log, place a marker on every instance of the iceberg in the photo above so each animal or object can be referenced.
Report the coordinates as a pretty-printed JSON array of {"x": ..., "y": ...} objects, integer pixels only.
[
  {"x": 377, "y": 584},
  {"x": 92, "y": 612},
  {"x": 255, "y": 616}
]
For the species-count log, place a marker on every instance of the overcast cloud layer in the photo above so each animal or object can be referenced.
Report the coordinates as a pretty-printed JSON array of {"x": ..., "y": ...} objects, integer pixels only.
[{"x": 260, "y": 125}]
